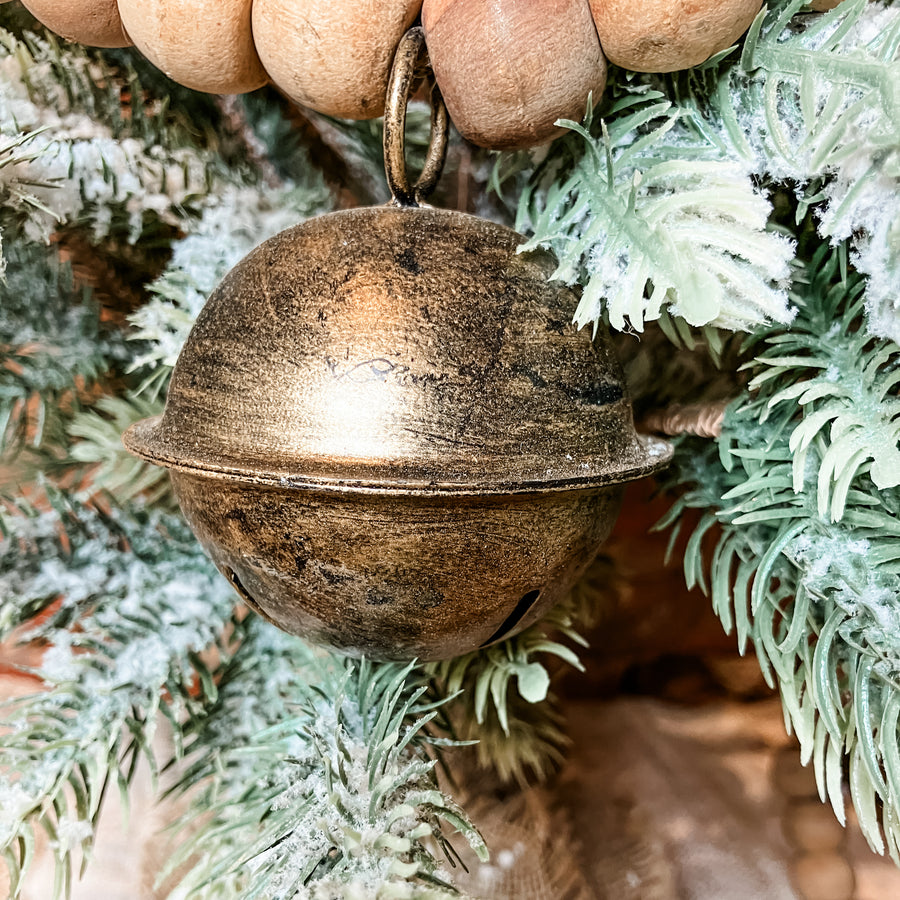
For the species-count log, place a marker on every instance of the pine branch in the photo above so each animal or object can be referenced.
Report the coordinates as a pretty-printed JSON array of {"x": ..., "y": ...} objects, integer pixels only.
[
  {"x": 126, "y": 605},
  {"x": 806, "y": 560},
  {"x": 314, "y": 780},
  {"x": 666, "y": 205},
  {"x": 649, "y": 227},
  {"x": 519, "y": 731},
  {"x": 813, "y": 102},
  {"x": 231, "y": 225},
  {"x": 98, "y": 442},
  {"x": 53, "y": 346}
]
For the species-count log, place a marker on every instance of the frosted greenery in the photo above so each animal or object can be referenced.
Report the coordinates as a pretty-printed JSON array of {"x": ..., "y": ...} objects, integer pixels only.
[
  {"x": 230, "y": 226},
  {"x": 507, "y": 706},
  {"x": 316, "y": 780},
  {"x": 85, "y": 162},
  {"x": 705, "y": 198},
  {"x": 804, "y": 487},
  {"x": 126, "y": 603},
  {"x": 649, "y": 234},
  {"x": 666, "y": 206},
  {"x": 52, "y": 340}
]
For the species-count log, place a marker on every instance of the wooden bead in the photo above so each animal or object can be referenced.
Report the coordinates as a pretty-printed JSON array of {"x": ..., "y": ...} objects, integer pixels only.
[
  {"x": 92, "y": 22},
  {"x": 330, "y": 56},
  {"x": 668, "y": 35},
  {"x": 824, "y": 876},
  {"x": 812, "y": 827},
  {"x": 508, "y": 70},
  {"x": 206, "y": 45}
]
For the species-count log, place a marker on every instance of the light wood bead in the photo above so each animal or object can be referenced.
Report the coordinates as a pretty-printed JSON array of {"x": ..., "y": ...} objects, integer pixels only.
[
  {"x": 508, "y": 70},
  {"x": 206, "y": 45},
  {"x": 812, "y": 827},
  {"x": 668, "y": 35},
  {"x": 332, "y": 57},
  {"x": 823, "y": 876},
  {"x": 824, "y": 5},
  {"x": 92, "y": 22}
]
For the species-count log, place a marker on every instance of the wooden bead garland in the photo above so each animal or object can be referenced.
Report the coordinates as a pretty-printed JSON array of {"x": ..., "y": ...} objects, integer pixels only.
[
  {"x": 333, "y": 57},
  {"x": 668, "y": 35},
  {"x": 508, "y": 69},
  {"x": 530, "y": 64},
  {"x": 92, "y": 22},
  {"x": 206, "y": 45}
]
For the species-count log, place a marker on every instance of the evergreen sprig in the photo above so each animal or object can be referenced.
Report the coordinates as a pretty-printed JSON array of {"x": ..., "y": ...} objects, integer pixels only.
[
  {"x": 806, "y": 555},
  {"x": 518, "y": 731},
  {"x": 648, "y": 227},
  {"x": 97, "y": 442},
  {"x": 125, "y": 606},
  {"x": 812, "y": 102},
  {"x": 666, "y": 204},
  {"x": 231, "y": 225},
  {"x": 53, "y": 344},
  {"x": 316, "y": 782}
]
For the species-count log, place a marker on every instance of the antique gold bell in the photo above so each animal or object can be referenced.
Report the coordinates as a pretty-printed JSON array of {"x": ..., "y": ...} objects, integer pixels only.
[{"x": 386, "y": 431}]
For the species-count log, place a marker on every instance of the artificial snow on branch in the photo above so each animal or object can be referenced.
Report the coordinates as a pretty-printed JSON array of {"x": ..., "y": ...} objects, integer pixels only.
[
  {"x": 125, "y": 605},
  {"x": 648, "y": 227},
  {"x": 802, "y": 494},
  {"x": 315, "y": 780},
  {"x": 666, "y": 206},
  {"x": 813, "y": 101}
]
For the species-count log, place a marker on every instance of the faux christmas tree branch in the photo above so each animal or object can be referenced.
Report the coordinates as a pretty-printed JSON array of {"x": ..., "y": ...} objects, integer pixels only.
[
  {"x": 801, "y": 496},
  {"x": 801, "y": 482},
  {"x": 806, "y": 103},
  {"x": 138, "y": 605}
]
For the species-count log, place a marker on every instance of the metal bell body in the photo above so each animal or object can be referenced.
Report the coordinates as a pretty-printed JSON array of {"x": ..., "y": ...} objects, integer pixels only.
[{"x": 385, "y": 430}]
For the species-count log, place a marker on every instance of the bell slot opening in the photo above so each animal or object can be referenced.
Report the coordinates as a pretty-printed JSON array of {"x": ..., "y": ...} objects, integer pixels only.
[
  {"x": 523, "y": 607},
  {"x": 242, "y": 591}
]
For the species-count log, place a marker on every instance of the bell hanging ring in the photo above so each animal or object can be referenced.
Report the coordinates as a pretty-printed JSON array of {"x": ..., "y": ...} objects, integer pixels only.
[{"x": 385, "y": 429}]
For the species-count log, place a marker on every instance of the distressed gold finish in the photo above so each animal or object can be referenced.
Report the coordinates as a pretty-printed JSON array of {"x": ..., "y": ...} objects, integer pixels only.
[{"x": 386, "y": 431}]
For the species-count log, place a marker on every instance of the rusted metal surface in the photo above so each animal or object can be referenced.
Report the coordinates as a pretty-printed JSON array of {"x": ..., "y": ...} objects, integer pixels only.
[{"x": 386, "y": 431}]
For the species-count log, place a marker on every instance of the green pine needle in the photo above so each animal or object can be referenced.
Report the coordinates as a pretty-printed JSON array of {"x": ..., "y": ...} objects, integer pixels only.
[{"x": 804, "y": 488}]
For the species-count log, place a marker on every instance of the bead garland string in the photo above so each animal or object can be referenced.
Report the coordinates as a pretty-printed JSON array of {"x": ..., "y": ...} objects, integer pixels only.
[{"x": 507, "y": 70}]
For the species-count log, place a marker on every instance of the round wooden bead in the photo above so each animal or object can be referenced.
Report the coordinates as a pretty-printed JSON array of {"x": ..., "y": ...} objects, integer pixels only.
[
  {"x": 812, "y": 827},
  {"x": 206, "y": 45},
  {"x": 329, "y": 56},
  {"x": 508, "y": 70},
  {"x": 92, "y": 22},
  {"x": 668, "y": 35},
  {"x": 824, "y": 876}
]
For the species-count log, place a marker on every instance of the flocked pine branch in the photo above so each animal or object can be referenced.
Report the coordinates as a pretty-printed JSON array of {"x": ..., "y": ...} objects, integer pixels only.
[
  {"x": 97, "y": 151},
  {"x": 90, "y": 164},
  {"x": 231, "y": 225},
  {"x": 802, "y": 500},
  {"x": 53, "y": 346},
  {"x": 315, "y": 781},
  {"x": 647, "y": 229},
  {"x": 125, "y": 606},
  {"x": 666, "y": 206},
  {"x": 812, "y": 101}
]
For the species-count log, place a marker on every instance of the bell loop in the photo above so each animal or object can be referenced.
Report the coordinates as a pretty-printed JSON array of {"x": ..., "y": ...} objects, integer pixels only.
[{"x": 410, "y": 67}]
